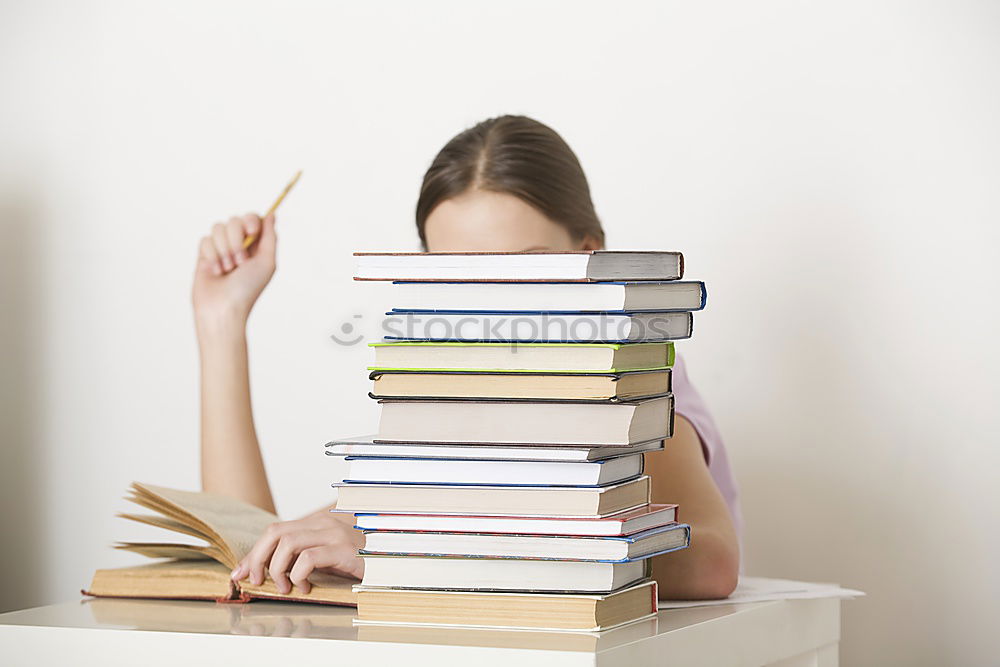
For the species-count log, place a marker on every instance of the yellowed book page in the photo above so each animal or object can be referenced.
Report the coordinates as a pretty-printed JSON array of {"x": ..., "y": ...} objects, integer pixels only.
[
  {"x": 166, "y": 523},
  {"x": 453, "y": 608},
  {"x": 208, "y": 579},
  {"x": 326, "y": 588},
  {"x": 173, "y": 579},
  {"x": 235, "y": 525},
  {"x": 170, "y": 550}
]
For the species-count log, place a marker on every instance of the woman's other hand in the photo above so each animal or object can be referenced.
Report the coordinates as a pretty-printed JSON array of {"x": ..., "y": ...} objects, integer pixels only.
[
  {"x": 290, "y": 550},
  {"x": 228, "y": 278}
]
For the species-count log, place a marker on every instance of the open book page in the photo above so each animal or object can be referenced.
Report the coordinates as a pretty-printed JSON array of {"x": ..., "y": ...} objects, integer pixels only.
[
  {"x": 326, "y": 588},
  {"x": 209, "y": 580},
  {"x": 195, "y": 579},
  {"x": 761, "y": 589},
  {"x": 172, "y": 551},
  {"x": 233, "y": 524},
  {"x": 166, "y": 523}
]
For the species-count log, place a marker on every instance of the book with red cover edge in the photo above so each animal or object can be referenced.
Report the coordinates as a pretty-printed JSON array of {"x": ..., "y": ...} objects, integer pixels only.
[
  {"x": 236, "y": 596},
  {"x": 620, "y": 516}
]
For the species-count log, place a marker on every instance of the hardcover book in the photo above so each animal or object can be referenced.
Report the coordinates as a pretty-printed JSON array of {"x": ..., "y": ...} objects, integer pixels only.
[
  {"x": 521, "y": 385},
  {"x": 499, "y": 422},
  {"x": 396, "y": 470},
  {"x": 366, "y": 446},
  {"x": 551, "y": 297},
  {"x": 535, "y": 327},
  {"x": 652, "y": 542},
  {"x": 227, "y": 529},
  {"x": 499, "y": 574},
  {"x": 622, "y": 523},
  {"x": 582, "y": 266},
  {"x": 522, "y": 357},
  {"x": 494, "y": 500},
  {"x": 570, "y": 612}
]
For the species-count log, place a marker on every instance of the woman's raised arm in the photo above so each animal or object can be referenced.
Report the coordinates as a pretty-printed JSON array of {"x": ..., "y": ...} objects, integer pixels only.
[{"x": 227, "y": 281}]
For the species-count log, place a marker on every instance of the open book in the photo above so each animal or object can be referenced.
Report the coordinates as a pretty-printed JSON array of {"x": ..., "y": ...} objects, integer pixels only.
[{"x": 228, "y": 529}]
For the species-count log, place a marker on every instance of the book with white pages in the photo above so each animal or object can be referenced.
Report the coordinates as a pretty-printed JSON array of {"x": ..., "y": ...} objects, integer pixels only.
[
  {"x": 621, "y": 523},
  {"x": 525, "y": 357},
  {"x": 583, "y": 501},
  {"x": 376, "y": 470},
  {"x": 537, "y": 327},
  {"x": 365, "y": 446},
  {"x": 502, "y": 610},
  {"x": 579, "y": 265},
  {"x": 497, "y": 574},
  {"x": 551, "y": 297},
  {"x": 520, "y": 385},
  {"x": 506, "y": 422},
  {"x": 616, "y": 549}
]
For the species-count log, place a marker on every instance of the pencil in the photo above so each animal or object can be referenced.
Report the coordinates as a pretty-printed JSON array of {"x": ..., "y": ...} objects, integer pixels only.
[{"x": 250, "y": 240}]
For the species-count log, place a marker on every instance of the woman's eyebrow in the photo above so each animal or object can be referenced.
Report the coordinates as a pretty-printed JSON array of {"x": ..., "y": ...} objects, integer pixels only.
[{"x": 536, "y": 248}]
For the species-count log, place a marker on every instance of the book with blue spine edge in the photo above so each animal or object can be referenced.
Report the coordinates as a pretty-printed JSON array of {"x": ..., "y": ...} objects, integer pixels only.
[
  {"x": 479, "y": 297},
  {"x": 355, "y": 482},
  {"x": 489, "y": 452},
  {"x": 636, "y": 538},
  {"x": 629, "y": 466},
  {"x": 663, "y": 326}
]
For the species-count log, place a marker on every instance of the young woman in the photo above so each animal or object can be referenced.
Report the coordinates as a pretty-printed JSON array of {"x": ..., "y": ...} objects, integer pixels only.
[{"x": 507, "y": 184}]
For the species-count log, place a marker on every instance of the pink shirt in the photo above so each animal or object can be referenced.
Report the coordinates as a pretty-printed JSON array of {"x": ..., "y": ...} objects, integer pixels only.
[{"x": 689, "y": 403}]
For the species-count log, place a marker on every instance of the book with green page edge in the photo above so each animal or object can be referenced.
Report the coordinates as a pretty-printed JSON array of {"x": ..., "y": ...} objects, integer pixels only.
[{"x": 522, "y": 357}]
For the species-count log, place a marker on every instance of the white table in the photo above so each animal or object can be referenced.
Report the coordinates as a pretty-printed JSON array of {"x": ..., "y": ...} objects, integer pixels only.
[{"x": 787, "y": 633}]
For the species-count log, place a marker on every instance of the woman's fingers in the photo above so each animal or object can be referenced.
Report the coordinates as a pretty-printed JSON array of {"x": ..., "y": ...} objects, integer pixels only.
[
  {"x": 251, "y": 226},
  {"x": 288, "y": 552},
  {"x": 220, "y": 237},
  {"x": 222, "y": 250},
  {"x": 288, "y": 548},
  {"x": 234, "y": 235},
  {"x": 267, "y": 241},
  {"x": 329, "y": 555},
  {"x": 208, "y": 257},
  {"x": 256, "y": 561}
]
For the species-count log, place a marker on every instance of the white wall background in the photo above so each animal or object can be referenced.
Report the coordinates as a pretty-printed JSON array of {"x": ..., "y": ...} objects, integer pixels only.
[{"x": 831, "y": 169}]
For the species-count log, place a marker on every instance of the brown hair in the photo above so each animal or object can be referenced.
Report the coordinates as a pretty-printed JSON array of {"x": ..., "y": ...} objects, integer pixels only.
[{"x": 516, "y": 155}]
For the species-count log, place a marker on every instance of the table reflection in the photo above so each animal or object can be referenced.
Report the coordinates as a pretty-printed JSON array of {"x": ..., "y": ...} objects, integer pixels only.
[{"x": 283, "y": 619}]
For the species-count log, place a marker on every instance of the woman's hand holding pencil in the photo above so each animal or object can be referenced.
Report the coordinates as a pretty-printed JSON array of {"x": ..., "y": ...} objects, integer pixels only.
[
  {"x": 228, "y": 277},
  {"x": 235, "y": 262}
]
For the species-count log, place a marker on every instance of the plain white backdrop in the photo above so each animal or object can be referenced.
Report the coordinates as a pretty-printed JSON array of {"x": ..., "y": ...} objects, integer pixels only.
[{"x": 830, "y": 169}]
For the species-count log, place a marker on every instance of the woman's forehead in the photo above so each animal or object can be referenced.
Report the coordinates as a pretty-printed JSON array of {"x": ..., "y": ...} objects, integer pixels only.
[{"x": 481, "y": 220}]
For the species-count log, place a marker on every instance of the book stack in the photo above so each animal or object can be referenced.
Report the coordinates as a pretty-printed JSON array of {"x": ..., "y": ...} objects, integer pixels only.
[{"x": 519, "y": 393}]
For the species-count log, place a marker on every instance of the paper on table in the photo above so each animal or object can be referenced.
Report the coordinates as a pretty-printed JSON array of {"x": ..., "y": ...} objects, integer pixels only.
[{"x": 760, "y": 589}]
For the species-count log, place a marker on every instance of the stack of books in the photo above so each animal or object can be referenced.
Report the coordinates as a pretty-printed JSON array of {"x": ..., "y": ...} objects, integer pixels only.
[{"x": 519, "y": 393}]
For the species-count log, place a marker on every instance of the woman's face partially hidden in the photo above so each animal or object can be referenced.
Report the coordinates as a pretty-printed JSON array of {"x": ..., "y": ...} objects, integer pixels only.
[{"x": 483, "y": 221}]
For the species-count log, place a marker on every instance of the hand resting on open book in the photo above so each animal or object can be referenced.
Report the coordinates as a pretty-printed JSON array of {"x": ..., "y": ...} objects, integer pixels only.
[{"x": 289, "y": 551}]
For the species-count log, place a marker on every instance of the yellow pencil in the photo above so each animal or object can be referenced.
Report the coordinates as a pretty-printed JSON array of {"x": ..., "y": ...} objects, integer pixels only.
[{"x": 249, "y": 241}]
